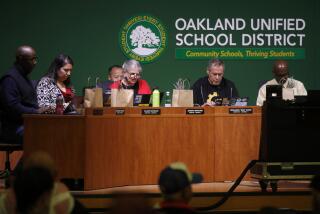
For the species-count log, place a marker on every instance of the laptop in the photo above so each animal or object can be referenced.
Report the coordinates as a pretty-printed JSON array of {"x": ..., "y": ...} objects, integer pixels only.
[
  {"x": 142, "y": 100},
  {"x": 145, "y": 100},
  {"x": 274, "y": 92},
  {"x": 239, "y": 101}
]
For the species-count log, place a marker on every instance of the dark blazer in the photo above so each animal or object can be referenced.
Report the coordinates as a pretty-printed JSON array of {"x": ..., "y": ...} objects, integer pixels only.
[{"x": 17, "y": 97}]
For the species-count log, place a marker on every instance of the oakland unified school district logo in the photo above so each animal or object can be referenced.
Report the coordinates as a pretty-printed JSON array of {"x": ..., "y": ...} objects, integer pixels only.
[{"x": 143, "y": 38}]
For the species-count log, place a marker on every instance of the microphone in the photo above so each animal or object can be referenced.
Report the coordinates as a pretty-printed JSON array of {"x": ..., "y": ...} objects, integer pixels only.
[{"x": 202, "y": 94}]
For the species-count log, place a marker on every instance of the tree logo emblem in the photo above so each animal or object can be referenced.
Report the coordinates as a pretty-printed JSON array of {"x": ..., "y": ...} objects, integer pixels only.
[{"x": 143, "y": 38}]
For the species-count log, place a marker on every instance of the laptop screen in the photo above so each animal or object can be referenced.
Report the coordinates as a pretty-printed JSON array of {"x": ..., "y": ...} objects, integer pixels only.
[
  {"x": 141, "y": 100},
  {"x": 274, "y": 92},
  {"x": 144, "y": 99}
]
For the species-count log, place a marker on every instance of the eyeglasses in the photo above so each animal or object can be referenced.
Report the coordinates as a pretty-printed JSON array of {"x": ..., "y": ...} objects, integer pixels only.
[
  {"x": 32, "y": 59},
  {"x": 132, "y": 75}
]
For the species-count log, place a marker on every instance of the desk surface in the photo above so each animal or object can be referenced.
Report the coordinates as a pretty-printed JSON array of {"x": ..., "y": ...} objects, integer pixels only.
[{"x": 129, "y": 146}]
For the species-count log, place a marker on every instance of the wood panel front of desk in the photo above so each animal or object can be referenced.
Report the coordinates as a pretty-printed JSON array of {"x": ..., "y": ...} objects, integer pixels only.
[
  {"x": 121, "y": 146},
  {"x": 237, "y": 138},
  {"x": 125, "y": 147},
  {"x": 63, "y": 137}
]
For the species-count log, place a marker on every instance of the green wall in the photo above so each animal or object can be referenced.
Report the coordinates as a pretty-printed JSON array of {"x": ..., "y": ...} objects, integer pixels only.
[{"x": 88, "y": 31}]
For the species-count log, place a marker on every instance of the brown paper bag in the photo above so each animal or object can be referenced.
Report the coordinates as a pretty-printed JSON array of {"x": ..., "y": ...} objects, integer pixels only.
[
  {"x": 93, "y": 98},
  {"x": 182, "y": 98},
  {"x": 121, "y": 97}
]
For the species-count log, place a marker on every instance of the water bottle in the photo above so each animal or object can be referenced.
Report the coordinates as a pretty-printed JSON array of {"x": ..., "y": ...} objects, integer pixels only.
[
  {"x": 59, "y": 105},
  {"x": 167, "y": 99},
  {"x": 156, "y": 98}
]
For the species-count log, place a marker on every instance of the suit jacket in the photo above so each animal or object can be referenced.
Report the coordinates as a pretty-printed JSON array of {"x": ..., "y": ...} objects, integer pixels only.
[{"x": 18, "y": 97}]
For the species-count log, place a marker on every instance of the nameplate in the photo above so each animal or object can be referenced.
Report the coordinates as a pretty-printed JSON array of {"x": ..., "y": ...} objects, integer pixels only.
[
  {"x": 240, "y": 110},
  {"x": 194, "y": 111},
  {"x": 120, "y": 111},
  {"x": 151, "y": 112},
  {"x": 97, "y": 111}
]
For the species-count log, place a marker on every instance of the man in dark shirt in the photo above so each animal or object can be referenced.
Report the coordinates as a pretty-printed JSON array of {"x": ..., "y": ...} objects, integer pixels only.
[
  {"x": 175, "y": 185},
  {"x": 17, "y": 95},
  {"x": 115, "y": 73},
  {"x": 207, "y": 88}
]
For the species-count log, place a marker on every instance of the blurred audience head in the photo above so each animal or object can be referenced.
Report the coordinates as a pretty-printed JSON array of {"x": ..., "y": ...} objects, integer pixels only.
[
  {"x": 175, "y": 182},
  {"x": 33, "y": 188},
  {"x": 40, "y": 159}
]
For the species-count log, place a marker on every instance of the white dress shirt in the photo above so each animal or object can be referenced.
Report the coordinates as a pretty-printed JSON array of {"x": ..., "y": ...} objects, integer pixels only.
[{"x": 296, "y": 85}]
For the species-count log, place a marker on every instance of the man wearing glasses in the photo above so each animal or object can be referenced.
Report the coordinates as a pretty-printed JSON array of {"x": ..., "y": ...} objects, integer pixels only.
[
  {"x": 132, "y": 78},
  {"x": 281, "y": 77},
  {"x": 18, "y": 95}
]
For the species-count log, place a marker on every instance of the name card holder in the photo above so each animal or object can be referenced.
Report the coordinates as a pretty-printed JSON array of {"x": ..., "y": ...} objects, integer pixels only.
[
  {"x": 151, "y": 111},
  {"x": 195, "y": 111},
  {"x": 97, "y": 111},
  {"x": 120, "y": 112},
  {"x": 240, "y": 110}
]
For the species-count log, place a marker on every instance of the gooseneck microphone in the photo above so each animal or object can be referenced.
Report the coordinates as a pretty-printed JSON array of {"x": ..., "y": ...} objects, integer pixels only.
[
  {"x": 202, "y": 94},
  {"x": 231, "y": 93}
]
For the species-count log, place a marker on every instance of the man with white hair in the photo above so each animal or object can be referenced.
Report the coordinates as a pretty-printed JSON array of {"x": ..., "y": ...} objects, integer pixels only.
[{"x": 214, "y": 85}]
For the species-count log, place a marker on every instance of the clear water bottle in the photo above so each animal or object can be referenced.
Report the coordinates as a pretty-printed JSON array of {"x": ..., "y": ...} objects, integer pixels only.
[
  {"x": 167, "y": 99},
  {"x": 59, "y": 105}
]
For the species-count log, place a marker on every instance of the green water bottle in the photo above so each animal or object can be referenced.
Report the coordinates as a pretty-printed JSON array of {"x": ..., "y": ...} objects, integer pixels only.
[{"x": 156, "y": 98}]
